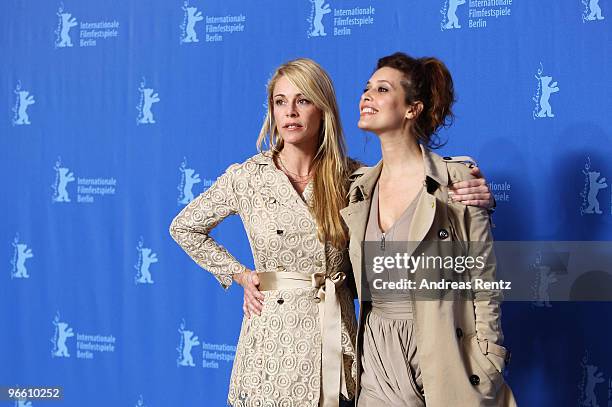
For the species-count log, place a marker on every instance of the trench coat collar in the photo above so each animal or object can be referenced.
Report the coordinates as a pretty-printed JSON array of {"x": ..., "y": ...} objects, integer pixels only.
[
  {"x": 435, "y": 167},
  {"x": 364, "y": 179},
  {"x": 264, "y": 158}
]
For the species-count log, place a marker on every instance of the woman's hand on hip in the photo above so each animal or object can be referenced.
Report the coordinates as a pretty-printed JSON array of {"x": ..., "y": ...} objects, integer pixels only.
[{"x": 253, "y": 298}]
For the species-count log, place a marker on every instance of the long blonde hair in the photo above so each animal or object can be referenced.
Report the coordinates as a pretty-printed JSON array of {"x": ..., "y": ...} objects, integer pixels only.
[{"x": 331, "y": 166}]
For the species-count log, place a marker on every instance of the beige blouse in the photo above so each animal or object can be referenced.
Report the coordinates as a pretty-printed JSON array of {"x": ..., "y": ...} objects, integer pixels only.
[{"x": 278, "y": 358}]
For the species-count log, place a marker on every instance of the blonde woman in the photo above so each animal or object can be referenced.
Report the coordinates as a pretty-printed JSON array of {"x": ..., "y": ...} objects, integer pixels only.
[{"x": 297, "y": 349}]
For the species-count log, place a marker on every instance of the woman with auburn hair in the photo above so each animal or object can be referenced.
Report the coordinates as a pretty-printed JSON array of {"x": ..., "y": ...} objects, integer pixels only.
[
  {"x": 297, "y": 341},
  {"x": 415, "y": 349}
]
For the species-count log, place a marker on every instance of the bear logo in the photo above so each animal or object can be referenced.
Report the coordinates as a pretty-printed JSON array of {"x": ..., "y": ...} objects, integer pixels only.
[
  {"x": 24, "y": 101},
  {"x": 595, "y": 184},
  {"x": 65, "y": 176},
  {"x": 593, "y": 378},
  {"x": 320, "y": 9},
  {"x": 23, "y": 253},
  {"x": 67, "y": 22},
  {"x": 547, "y": 89},
  {"x": 451, "y": 14},
  {"x": 190, "y": 179},
  {"x": 188, "y": 341},
  {"x": 62, "y": 333},
  {"x": 593, "y": 10},
  {"x": 148, "y": 99},
  {"x": 193, "y": 16},
  {"x": 147, "y": 257},
  {"x": 546, "y": 278}
]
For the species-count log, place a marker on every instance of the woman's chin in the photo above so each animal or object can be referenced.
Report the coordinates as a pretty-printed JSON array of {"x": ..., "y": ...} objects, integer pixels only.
[
  {"x": 299, "y": 140},
  {"x": 364, "y": 125}
]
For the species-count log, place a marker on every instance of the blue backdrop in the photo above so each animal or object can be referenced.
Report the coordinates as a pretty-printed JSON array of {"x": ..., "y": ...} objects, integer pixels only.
[{"x": 115, "y": 114}]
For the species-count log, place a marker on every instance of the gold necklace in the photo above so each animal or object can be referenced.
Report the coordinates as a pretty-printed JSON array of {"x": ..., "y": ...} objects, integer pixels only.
[{"x": 293, "y": 177}]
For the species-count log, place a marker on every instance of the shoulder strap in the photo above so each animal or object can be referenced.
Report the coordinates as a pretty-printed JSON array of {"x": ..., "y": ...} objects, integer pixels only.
[{"x": 463, "y": 159}]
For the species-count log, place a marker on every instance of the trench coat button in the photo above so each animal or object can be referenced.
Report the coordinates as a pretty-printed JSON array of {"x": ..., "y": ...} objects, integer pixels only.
[
  {"x": 318, "y": 263},
  {"x": 474, "y": 379},
  {"x": 459, "y": 332},
  {"x": 280, "y": 301},
  {"x": 443, "y": 234},
  {"x": 279, "y": 231}
]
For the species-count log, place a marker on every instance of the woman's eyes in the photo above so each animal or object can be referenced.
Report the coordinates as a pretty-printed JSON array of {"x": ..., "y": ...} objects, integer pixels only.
[
  {"x": 379, "y": 89},
  {"x": 279, "y": 102}
]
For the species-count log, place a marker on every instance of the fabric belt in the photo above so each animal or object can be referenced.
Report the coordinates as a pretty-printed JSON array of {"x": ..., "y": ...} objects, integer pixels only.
[
  {"x": 332, "y": 367},
  {"x": 396, "y": 310}
]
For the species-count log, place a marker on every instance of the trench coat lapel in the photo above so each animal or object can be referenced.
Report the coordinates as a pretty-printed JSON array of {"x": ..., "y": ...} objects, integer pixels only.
[
  {"x": 356, "y": 214},
  {"x": 423, "y": 217},
  {"x": 436, "y": 174}
]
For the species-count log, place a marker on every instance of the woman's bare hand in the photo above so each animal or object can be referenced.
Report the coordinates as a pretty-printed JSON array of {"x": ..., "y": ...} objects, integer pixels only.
[
  {"x": 474, "y": 192},
  {"x": 253, "y": 298}
]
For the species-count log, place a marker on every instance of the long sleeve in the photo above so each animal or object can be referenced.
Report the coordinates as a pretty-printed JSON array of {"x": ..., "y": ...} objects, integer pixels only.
[
  {"x": 191, "y": 228},
  {"x": 487, "y": 303}
]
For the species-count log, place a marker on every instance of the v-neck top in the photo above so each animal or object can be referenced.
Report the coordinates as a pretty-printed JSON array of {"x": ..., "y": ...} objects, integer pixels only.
[{"x": 398, "y": 232}]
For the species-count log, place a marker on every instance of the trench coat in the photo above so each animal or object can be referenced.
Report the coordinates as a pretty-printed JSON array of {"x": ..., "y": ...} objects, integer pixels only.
[
  {"x": 459, "y": 342},
  {"x": 279, "y": 354}
]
